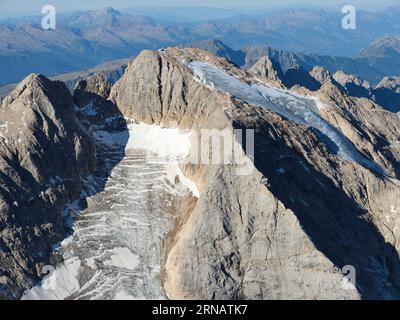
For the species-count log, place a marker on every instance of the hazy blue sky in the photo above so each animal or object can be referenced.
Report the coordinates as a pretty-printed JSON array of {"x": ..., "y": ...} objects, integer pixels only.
[{"x": 22, "y": 7}]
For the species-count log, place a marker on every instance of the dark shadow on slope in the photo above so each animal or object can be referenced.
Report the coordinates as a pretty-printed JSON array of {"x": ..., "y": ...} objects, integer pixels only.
[
  {"x": 333, "y": 221},
  {"x": 388, "y": 99},
  {"x": 33, "y": 207},
  {"x": 299, "y": 76},
  {"x": 111, "y": 134},
  {"x": 107, "y": 121}
]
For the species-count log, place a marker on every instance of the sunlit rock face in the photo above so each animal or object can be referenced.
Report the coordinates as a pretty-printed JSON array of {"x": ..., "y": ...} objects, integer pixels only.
[
  {"x": 320, "y": 198},
  {"x": 303, "y": 215}
]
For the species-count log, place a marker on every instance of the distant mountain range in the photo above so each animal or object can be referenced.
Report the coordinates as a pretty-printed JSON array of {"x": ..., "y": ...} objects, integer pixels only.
[
  {"x": 111, "y": 70},
  {"x": 307, "y": 37},
  {"x": 351, "y": 75},
  {"x": 372, "y": 68}
]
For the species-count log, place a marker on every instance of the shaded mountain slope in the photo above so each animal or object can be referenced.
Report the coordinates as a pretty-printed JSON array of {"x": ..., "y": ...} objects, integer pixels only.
[
  {"x": 45, "y": 152},
  {"x": 321, "y": 194}
]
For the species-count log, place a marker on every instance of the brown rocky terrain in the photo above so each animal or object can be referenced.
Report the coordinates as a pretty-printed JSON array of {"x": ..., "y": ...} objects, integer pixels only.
[
  {"x": 44, "y": 153},
  {"x": 275, "y": 233},
  {"x": 285, "y": 230}
]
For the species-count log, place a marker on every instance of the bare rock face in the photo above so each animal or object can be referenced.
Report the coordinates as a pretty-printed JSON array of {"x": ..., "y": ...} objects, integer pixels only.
[
  {"x": 157, "y": 89},
  {"x": 352, "y": 85},
  {"x": 387, "y": 93},
  {"x": 370, "y": 127},
  {"x": 391, "y": 83},
  {"x": 321, "y": 74},
  {"x": 302, "y": 216},
  {"x": 295, "y": 75},
  {"x": 265, "y": 68},
  {"x": 94, "y": 88},
  {"x": 299, "y": 76},
  {"x": 44, "y": 153},
  {"x": 320, "y": 198},
  {"x": 90, "y": 96}
]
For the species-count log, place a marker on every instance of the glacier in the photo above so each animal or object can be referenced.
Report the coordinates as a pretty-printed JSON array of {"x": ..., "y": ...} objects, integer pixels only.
[
  {"x": 117, "y": 247},
  {"x": 292, "y": 106}
]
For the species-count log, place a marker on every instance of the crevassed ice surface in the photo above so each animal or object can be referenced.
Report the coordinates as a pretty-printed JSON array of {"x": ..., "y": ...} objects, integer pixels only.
[
  {"x": 117, "y": 247},
  {"x": 302, "y": 110}
]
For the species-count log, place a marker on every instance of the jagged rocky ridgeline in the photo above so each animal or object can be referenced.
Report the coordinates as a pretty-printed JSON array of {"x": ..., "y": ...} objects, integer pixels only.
[
  {"x": 322, "y": 195},
  {"x": 44, "y": 154}
]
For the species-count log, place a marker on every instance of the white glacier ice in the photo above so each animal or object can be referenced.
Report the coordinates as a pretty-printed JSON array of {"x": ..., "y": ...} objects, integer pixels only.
[
  {"x": 127, "y": 209},
  {"x": 300, "y": 109},
  {"x": 60, "y": 283},
  {"x": 123, "y": 258},
  {"x": 168, "y": 143}
]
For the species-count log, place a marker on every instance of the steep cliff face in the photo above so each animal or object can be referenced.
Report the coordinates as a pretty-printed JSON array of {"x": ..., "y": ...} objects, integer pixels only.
[
  {"x": 266, "y": 68},
  {"x": 319, "y": 199},
  {"x": 159, "y": 89},
  {"x": 44, "y": 153}
]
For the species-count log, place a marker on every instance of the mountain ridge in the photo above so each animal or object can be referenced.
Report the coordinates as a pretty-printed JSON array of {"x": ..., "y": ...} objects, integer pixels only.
[
  {"x": 103, "y": 35},
  {"x": 37, "y": 180},
  {"x": 285, "y": 230}
]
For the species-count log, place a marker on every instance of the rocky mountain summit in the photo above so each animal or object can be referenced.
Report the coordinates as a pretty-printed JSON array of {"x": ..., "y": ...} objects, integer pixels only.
[
  {"x": 336, "y": 210},
  {"x": 385, "y": 93},
  {"x": 45, "y": 153},
  {"x": 266, "y": 68},
  {"x": 319, "y": 196}
]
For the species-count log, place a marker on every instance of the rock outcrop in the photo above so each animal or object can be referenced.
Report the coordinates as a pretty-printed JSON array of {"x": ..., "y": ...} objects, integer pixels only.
[
  {"x": 387, "y": 93},
  {"x": 44, "y": 153},
  {"x": 276, "y": 233},
  {"x": 321, "y": 74},
  {"x": 352, "y": 85},
  {"x": 266, "y": 68},
  {"x": 319, "y": 199}
]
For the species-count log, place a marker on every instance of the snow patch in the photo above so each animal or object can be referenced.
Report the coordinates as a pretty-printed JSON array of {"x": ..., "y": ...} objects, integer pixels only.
[
  {"x": 318, "y": 103},
  {"x": 173, "y": 170},
  {"x": 166, "y": 142},
  {"x": 90, "y": 109},
  {"x": 122, "y": 295},
  {"x": 60, "y": 284},
  {"x": 123, "y": 258},
  {"x": 55, "y": 180},
  {"x": 62, "y": 244}
]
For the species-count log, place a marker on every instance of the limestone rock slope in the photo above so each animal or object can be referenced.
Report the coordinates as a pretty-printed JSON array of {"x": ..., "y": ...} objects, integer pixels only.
[
  {"x": 44, "y": 153},
  {"x": 318, "y": 197},
  {"x": 266, "y": 68},
  {"x": 385, "y": 93},
  {"x": 302, "y": 215}
]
